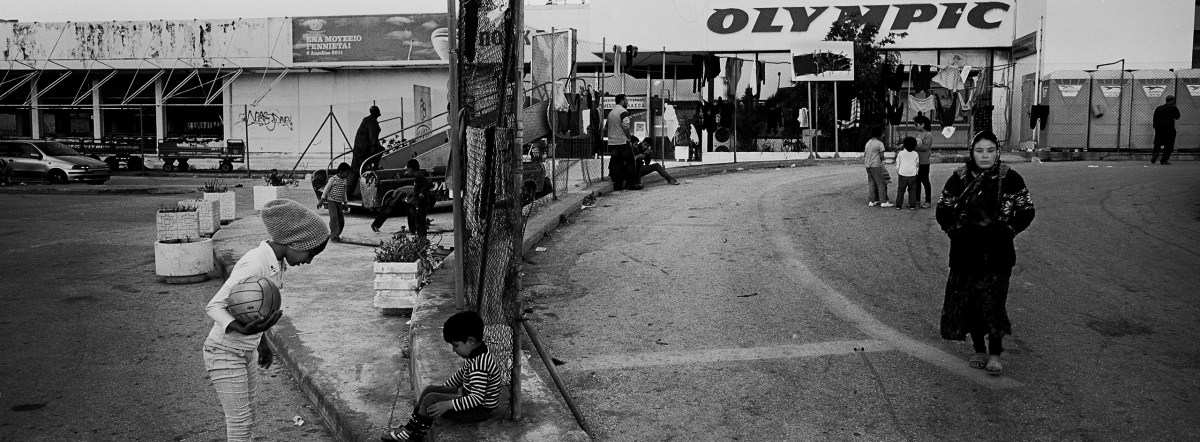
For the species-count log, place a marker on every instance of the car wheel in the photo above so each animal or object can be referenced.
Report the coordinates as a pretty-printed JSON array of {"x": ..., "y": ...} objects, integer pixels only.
[
  {"x": 225, "y": 166},
  {"x": 57, "y": 177},
  {"x": 169, "y": 166}
]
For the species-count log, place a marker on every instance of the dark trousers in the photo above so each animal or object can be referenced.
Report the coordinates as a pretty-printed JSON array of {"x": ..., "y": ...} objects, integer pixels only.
[
  {"x": 876, "y": 185},
  {"x": 995, "y": 343},
  {"x": 923, "y": 180},
  {"x": 1164, "y": 139},
  {"x": 336, "y": 219},
  {"x": 656, "y": 167},
  {"x": 417, "y": 215},
  {"x": 907, "y": 184},
  {"x": 622, "y": 169}
]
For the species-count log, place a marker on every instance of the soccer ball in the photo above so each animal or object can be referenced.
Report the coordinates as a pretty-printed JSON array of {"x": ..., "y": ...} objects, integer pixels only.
[{"x": 253, "y": 298}]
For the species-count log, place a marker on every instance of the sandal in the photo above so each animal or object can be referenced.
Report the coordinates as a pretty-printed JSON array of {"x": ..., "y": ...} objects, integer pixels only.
[
  {"x": 994, "y": 367},
  {"x": 978, "y": 361}
]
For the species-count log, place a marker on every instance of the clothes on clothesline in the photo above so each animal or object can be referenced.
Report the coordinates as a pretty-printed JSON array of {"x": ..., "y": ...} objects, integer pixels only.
[
  {"x": 895, "y": 111},
  {"x": 947, "y": 108},
  {"x": 1039, "y": 114},
  {"x": 922, "y": 78},
  {"x": 803, "y": 118},
  {"x": 949, "y": 78},
  {"x": 923, "y": 106}
]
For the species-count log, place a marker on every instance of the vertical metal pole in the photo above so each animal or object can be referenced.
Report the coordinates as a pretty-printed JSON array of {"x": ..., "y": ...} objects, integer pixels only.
[
  {"x": 601, "y": 81},
  {"x": 1120, "y": 104},
  {"x": 813, "y": 115},
  {"x": 836, "y": 131},
  {"x": 812, "y": 148},
  {"x": 246, "y": 142},
  {"x": 518, "y": 75},
  {"x": 331, "y": 138},
  {"x": 734, "y": 140},
  {"x": 1087, "y": 143},
  {"x": 553, "y": 97},
  {"x": 459, "y": 153}
]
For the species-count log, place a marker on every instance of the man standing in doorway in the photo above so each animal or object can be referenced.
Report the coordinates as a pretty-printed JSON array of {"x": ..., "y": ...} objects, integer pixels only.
[
  {"x": 366, "y": 143},
  {"x": 621, "y": 168},
  {"x": 1164, "y": 130}
]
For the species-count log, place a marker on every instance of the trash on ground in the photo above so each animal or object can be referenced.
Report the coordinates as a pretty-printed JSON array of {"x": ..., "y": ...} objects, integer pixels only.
[
  {"x": 661, "y": 342},
  {"x": 539, "y": 249},
  {"x": 747, "y": 296},
  {"x": 1093, "y": 165},
  {"x": 556, "y": 361},
  {"x": 297, "y": 421}
]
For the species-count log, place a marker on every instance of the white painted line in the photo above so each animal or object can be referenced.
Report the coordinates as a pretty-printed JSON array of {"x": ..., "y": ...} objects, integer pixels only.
[
  {"x": 806, "y": 281},
  {"x": 705, "y": 356}
]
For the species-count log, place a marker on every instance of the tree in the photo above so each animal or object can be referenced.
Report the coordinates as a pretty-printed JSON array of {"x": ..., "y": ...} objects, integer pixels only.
[{"x": 870, "y": 56}]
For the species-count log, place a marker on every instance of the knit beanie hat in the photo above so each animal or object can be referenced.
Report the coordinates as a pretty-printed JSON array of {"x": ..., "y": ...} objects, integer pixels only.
[{"x": 294, "y": 225}]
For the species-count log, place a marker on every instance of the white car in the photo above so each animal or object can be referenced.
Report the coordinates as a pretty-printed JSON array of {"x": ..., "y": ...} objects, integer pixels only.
[{"x": 36, "y": 160}]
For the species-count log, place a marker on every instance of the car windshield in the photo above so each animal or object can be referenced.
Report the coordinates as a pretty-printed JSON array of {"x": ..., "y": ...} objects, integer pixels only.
[{"x": 57, "y": 149}]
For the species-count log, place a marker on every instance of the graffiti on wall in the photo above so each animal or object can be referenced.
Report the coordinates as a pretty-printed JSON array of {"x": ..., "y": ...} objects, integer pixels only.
[{"x": 267, "y": 119}]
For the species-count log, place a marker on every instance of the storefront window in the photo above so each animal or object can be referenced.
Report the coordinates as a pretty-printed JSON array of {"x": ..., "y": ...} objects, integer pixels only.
[
  {"x": 185, "y": 116},
  {"x": 14, "y": 115}
]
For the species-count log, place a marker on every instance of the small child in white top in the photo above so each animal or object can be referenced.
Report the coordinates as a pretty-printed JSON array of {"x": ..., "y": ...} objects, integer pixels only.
[{"x": 907, "y": 161}]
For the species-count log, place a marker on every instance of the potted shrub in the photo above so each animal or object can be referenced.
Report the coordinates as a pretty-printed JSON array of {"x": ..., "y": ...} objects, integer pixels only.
[
  {"x": 400, "y": 265},
  {"x": 270, "y": 190},
  {"x": 209, "y": 214},
  {"x": 214, "y": 190},
  {"x": 177, "y": 222}
]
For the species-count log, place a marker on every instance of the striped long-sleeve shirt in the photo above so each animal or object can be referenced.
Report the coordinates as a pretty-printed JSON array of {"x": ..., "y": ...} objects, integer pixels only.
[{"x": 479, "y": 380}]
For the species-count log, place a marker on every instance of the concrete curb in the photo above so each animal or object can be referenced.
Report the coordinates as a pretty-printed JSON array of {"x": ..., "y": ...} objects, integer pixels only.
[{"x": 95, "y": 190}]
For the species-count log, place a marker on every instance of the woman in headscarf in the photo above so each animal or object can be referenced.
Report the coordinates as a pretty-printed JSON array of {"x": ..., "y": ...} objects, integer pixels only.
[{"x": 983, "y": 206}]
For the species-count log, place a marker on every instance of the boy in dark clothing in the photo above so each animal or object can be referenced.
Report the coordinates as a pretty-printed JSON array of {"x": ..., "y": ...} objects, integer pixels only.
[
  {"x": 417, "y": 198},
  {"x": 1164, "y": 130},
  {"x": 470, "y": 395}
]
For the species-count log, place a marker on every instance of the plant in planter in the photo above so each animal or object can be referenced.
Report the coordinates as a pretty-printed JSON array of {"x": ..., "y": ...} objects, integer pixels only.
[
  {"x": 177, "y": 222},
  {"x": 214, "y": 190},
  {"x": 209, "y": 213},
  {"x": 400, "y": 266}
]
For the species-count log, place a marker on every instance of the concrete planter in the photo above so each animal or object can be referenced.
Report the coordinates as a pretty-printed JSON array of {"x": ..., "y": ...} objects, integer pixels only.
[
  {"x": 262, "y": 194},
  {"x": 209, "y": 213},
  {"x": 184, "y": 260},
  {"x": 227, "y": 201},
  {"x": 396, "y": 284},
  {"x": 177, "y": 225}
]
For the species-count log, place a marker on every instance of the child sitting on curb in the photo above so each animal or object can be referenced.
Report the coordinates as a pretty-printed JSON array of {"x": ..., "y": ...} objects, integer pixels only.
[{"x": 470, "y": 395}]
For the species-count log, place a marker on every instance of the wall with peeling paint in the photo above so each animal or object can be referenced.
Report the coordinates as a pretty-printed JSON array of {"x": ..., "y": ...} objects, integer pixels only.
[{"x": 248, "y": 43}]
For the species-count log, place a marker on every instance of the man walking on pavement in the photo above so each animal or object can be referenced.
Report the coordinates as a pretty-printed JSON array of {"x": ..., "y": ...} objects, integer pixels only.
[
  {"x": 621, "y": 168},
  {"x": 1164, "y": 130},
  {"x": 366, "y": 143}
]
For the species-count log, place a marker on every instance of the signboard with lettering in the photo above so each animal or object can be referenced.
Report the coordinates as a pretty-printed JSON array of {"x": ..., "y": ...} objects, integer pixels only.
[
  {"x": 778, "y": 25},
  {"x": 1024, "y": 46},
  {"x": 823, "y": 61},
  {"x": 371, "y": 39}
]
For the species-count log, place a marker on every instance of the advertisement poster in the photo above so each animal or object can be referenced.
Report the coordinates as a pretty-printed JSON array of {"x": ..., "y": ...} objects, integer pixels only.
[
  {"x": 823, "y": 61},
  {"x": 422, "y": 107},
  {"x": 371, "y": 39}
]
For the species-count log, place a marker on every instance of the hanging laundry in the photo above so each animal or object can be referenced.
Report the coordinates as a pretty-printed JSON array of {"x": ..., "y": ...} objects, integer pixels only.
[
  {"x": 922, "y": 78},
  {"x": 965, "y": 74},
  {"x": 895, "y": 111},
  {"x": 948, "y": 77},
  {"x": 803, "y": 118},
  {"x": 965, "y": 104},
  {"x": 896, "y": 78},
  {"x": 922, "y": 106},
  {"x": 670, "y": 119},
  {"x": 983, "y": 117},
  {"x": 946, "y": 108},
  {"x": 1039, "y": 113}
]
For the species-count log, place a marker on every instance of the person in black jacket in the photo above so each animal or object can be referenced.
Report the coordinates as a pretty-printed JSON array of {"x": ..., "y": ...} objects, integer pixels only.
[
  {"x": 983, "y": 206},
  {"x": 366, "y": 143},
  {"x": 1164, "y": 130}
]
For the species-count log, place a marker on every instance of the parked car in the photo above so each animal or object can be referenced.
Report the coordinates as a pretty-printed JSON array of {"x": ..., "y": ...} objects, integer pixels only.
[{"x": 36, "y": 160}]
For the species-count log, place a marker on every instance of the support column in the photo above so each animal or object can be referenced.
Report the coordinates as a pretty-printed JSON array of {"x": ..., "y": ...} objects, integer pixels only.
[
  {"x": 35, "y": 112},
  {"x": 159, "y": 126},
  {"x": 97, "y": 112},
  {"x": 227, "y": 112}
]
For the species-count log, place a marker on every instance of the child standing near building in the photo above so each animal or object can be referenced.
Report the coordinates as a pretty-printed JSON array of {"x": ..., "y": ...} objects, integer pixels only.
[
  {"x": 297, "y": 235},
  {"x": 907, "y": 161},
  {"x": 470, "y": 395},
  {"x": 334, "y": 198}
]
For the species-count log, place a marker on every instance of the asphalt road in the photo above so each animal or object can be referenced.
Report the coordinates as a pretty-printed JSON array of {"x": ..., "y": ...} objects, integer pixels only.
[
  {"x": 775, "y": 305},
  {"x": 94, "y": 348}
]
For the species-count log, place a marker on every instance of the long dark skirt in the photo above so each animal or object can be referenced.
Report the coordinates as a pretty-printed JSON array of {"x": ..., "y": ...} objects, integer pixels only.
[{"x": 974, "y": 303}]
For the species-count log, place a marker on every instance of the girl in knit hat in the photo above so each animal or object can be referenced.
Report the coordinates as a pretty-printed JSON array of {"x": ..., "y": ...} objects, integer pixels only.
[{"x": 297, "y": 235}]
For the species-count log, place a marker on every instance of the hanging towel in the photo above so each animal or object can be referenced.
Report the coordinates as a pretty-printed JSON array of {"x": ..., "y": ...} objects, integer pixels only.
[
  {"x": 946, "y": 108},
  {"x": 924, "y": 106},
  {"x": 803, "y": 118}
]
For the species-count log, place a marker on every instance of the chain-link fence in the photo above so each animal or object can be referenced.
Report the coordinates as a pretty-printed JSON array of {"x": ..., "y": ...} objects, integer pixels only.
[{"x": 492, "y": 200}]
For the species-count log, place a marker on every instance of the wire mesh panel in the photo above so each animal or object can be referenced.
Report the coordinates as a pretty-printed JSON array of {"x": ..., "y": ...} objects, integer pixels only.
[
  {"x": 1110, "y": 110},
  {"x": 1188, "y": 100},
  {"x": 493, "y": 223},
  {"x": 1150, "y": 88}
]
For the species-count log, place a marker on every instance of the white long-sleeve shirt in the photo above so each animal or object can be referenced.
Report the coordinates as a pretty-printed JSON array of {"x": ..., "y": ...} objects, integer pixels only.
[
  {"x": 906, "y": 162},
  {"x": 259, "y": 262}
]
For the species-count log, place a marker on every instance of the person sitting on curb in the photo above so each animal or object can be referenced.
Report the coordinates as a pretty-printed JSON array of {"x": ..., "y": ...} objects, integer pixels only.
[
  {"x": 417, "y": 199},
  {"x": 470, "y": 395},
  {"x": 643, "y": 154}
]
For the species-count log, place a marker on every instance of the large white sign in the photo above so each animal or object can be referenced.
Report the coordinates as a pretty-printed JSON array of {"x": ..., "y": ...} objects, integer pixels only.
[
  {"x": 823, "y": 61},
  {"x": 778, "y": 25}
]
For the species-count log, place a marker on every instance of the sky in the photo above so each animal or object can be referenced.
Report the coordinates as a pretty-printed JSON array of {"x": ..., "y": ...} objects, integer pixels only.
[{"x": 135, "y": 10}]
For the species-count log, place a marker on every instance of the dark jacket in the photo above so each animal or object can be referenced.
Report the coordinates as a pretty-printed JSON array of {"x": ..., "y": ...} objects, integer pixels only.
[
  {"x": 366, "y": 140},
  {"x": 982, "y": 221},
  {"x": 1165, "y": 116}
]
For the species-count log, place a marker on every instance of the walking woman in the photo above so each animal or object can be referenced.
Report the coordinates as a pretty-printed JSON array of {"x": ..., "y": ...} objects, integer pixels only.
[{"x": 983, "y": 206}]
